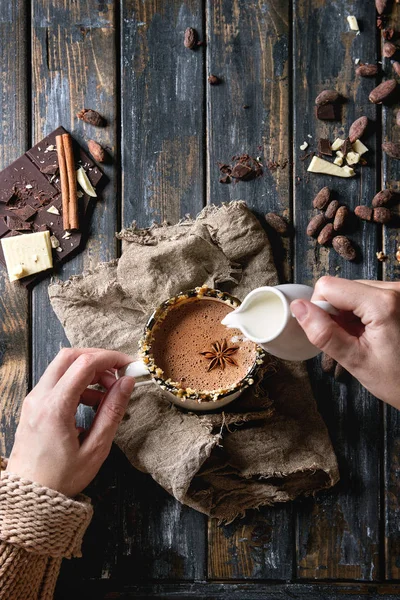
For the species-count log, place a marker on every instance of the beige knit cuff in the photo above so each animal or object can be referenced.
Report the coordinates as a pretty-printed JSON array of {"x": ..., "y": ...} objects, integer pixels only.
[{"x": 41, "y": 520}]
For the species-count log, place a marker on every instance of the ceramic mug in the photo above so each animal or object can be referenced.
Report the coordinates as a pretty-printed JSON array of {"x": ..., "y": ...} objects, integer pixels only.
[{"x": 145, "y": 371}]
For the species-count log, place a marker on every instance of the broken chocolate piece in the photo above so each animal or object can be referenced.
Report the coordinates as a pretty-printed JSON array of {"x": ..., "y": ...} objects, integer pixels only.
[
  {"x": 326, "y": 112},
  {"x": 346, "y": 147},
  {"x": 17, "y": 224},
  {"x": 324, "y": 147},
  {"x": 25, "y": 213}
]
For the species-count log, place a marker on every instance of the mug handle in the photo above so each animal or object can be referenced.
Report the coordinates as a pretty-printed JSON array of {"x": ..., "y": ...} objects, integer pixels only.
[
  {"x": 326, "y": 306},
  {"x": 136, "y": 369}
]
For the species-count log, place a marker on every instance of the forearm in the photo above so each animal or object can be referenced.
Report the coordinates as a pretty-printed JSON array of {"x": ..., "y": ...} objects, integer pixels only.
[{"x": 38, "y": 527}]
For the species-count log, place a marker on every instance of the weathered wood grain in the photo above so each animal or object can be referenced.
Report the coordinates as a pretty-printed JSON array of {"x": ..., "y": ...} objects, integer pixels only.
[
  {"x": 235, "y": 591},
  {"x": 338, "y": 534},
  {"x": 162, "y": 111},
  {"x": 14, "y": 300},
  {"x": 162, "y": 131},
  {"x": 74, "y": 66},
  {"x": 390, "y": 178},
  {"x": 248, "y": 48}
]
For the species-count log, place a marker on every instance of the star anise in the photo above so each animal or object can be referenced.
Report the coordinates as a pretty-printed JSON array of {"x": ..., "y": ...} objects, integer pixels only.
[{"x": 220, "y": 355}]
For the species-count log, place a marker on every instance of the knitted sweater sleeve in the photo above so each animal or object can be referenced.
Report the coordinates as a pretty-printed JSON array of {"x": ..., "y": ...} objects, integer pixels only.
[{"x": 38, "y": 528}]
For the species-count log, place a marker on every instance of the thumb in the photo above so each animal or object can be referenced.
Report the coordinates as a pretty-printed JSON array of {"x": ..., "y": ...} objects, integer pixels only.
[
  {"x": 324, "y": 332},
  {"x": 110, "y": 414}
]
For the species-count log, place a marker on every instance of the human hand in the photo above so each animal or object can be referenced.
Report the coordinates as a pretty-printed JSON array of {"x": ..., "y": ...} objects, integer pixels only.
[
  {"x": 365, "y": 337},
  {"x": 48, "y": 448}
]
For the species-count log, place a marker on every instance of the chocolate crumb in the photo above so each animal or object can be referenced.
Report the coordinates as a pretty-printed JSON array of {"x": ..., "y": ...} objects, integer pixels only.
[{"x": 324, "y": 147}]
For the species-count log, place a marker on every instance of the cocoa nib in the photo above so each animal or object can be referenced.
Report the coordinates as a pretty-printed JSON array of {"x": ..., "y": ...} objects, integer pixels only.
[
  {"x": 244, "y": 168},
  {"x": 213, "y": 80},
  {"x": 363, "y": 212},
  {"x": 92, "y": 117},
  {"x": 49, "y": 169},
  {"x": 367, "y": 70},
  {"x": 344, "y": 247},
  {"x": 191, "y": 38},
  {"x": 277, "y": 222},
  {"x": 321, "y": 200}
]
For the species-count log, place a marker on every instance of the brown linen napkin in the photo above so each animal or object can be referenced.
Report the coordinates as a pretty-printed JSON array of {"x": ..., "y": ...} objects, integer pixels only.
[{"x": 268, "y": 446}]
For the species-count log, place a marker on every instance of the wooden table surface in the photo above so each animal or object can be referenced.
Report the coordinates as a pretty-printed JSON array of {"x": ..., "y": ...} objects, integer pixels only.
[{"x": 168, "y": 128}]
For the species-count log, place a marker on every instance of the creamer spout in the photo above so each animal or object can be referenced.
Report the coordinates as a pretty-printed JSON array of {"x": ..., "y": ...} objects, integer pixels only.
[{"x": 232, "y": 320}]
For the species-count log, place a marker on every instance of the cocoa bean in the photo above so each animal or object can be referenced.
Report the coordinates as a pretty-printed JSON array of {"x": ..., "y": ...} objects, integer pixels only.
[
  {"x": 331, "y": 209},
  {"x": 316, "y": 224},
  {"x": 92, "y": 117},
  {"x": 327, "y": 97},
  {"x": 97, "y": 151},
  {"x": 326, "y": 235},
  {"x": 340, "y": 374},
  {"x": 367, "y": 70},
  {"x": 383, "y": 198},
  {"x": 190, "y": 39},
  {"x": 381, "y": 215},
  {"x": 396, "y": 67},
  {"x": 277, "y": 223},
  {"x": 328, "y": 363},
  {"x": 321, "y": 200},
  {"x": 344, "y": 247},
  {"x": 363, "y": 212},
  {"x": 388, "y": 33},
  {"x": 391, "y": 149},
  {"x": 388, "y": 49},
  {"x": 357, "y": 129},
  {"x": 381, "y": 6},
  {"x": 342, "y": 217},
  {"x": 383, "y": 91}
]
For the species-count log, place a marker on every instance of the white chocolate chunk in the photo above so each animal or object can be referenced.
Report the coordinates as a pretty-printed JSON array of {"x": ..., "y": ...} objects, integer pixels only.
[
  {"x": 338, "y": 143},
  {"x": 53, "y": 210},
  {"x": 339, "y": 154},
  {"x": 338, "y": 161},
  {"x": 54, "y": 241},
  {"x": 28, "y": 186},
  {"x": 84, "y": 182},
  {"x": 27, "y": 254},
  {"x": 319, "y": 165},
  {"x": 303, "y": 146},
  {"x": 359, "y": 147},
  {"x": 352, "y": 21},
  {"x": 352, "y": 158},
  {"x": 351, "y": 172}
]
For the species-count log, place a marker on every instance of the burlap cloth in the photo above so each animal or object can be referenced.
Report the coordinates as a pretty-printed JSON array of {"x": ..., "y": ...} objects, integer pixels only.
[{"x": 268, "y": 446}]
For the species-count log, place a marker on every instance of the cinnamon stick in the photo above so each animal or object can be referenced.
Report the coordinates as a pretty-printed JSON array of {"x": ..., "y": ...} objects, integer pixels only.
[
  {"x": 62, "y": 165},
  {"x": 72, "y": 190},
  {"x": 66, "y": 163}
]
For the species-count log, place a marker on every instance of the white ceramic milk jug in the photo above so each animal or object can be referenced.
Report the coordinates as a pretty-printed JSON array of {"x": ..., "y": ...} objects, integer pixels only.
[{"x": 264, "y": 317}]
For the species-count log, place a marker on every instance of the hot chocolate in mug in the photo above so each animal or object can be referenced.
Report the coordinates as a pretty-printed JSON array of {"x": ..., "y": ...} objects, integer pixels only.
[{"x": 221, "y": 361}]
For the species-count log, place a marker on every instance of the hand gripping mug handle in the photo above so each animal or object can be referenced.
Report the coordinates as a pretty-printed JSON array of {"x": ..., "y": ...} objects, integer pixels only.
[
  {"x": 326, "y": 306},
  {"x": 138, "y": 370}
]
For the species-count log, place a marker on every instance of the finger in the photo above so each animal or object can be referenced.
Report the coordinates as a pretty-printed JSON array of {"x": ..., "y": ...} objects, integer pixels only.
[
  {"x": 66, "y": 357},
  {"x": 92, "y": 397},
  {"x": 345, "y": 294},
  {"x": 106, "y": 379},
  {"x": 385, "y": 285},
  {"x": 109, "y": 416},
  {"x": 70, "y": 387},
  {"x": 326, "y": 334}
]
